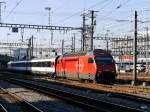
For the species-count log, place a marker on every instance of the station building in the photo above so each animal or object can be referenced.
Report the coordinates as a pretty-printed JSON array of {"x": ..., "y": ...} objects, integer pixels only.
[{"x": 122, "y": 50}]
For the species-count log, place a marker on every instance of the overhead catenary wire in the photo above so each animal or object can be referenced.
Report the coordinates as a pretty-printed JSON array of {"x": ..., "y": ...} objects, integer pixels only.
[
  {"x": 79, "y": 12},
  {"x": 116, "y": 8},
  {"x": 17, "y": 4}
]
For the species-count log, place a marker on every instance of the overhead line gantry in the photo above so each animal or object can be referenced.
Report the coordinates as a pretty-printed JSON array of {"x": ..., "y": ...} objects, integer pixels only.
[{"x": 38, "y": 27}]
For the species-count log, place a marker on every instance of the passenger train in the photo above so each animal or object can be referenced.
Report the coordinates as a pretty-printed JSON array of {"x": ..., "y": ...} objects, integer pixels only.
[{"x": 97, "y": 65}]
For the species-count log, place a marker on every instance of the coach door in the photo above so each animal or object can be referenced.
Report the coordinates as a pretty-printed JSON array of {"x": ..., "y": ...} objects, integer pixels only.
[
  {"x": 71, "y": 66},
  {"x": 64, "y": 68},
  {"x": 78, "y": 67}
]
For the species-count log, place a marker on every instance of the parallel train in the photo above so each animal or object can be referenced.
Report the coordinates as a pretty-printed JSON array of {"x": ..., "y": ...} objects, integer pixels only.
[{"x": 97, "y": 65}]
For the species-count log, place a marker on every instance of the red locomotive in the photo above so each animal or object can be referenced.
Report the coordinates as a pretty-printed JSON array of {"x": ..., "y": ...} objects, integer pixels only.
[{"x": 97, "y": 65}]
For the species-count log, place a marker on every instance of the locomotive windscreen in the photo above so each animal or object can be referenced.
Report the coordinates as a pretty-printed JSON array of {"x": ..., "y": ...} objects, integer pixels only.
[{"x": 104, "y": 60}]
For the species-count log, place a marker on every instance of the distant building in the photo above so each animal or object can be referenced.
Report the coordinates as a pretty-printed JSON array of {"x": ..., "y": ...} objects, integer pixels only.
[
  {"x": 20, "y": 54},
  {"x": 122, "y": 49}
]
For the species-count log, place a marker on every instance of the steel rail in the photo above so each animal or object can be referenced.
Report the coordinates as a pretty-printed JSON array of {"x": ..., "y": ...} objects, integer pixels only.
[
  {"x": 22, "y": 101},
  {"x": 83, "y": 101},
  {"x": 2, "y": 108}
]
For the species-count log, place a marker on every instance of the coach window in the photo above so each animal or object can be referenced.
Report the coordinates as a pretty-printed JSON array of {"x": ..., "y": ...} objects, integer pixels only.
[
  {"x": 19, "y": 65},
  {"x": 49, "y": 64},
  {"x": 46, "y": 64},
  {"x": 16, "y": 64},
  {"x": 32, "y": 64},
  {"x": 22, "y": 64},
  {"x": 28, "y": 64},
  {"x": 40, "y": 64},
  {"x": 43, "y": 64},
  {"x": 37, "y": 64}
]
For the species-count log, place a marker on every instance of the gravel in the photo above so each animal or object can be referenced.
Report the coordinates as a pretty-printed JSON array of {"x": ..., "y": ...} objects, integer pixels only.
[
  {"x": 11, "y": 104},
  {"x": 45, "y": 103}
]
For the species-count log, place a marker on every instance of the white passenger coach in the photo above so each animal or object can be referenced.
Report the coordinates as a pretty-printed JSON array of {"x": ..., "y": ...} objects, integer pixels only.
[{"x": 38, "y": 66}]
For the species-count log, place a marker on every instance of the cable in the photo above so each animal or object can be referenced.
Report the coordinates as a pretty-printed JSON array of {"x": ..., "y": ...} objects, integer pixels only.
[
  {"x": 118, "y": 7},
  {"x": 17, "y": 4},
  {"x": 28, "y": 13},
  {"x": 84, "y": 10},
  {"x": 97, "y": 4}
]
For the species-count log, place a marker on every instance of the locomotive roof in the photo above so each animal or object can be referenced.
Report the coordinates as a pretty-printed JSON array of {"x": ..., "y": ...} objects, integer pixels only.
[
  {"x": 34, "y": 60},
  {"x": 82, "y": 53}
]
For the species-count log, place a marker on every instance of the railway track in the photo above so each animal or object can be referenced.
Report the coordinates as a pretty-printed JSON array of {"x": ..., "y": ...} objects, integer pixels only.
[
  {"x": 14, "y": 103},
  {"x": 114, "y": 93},
  {"x": 89, "y": 103},
  {"x": 116, "y": 88},
  {"x": 132, "y": 92},
  {"x": 127, "y": 92},
  {"x": 2, "y": 108}
]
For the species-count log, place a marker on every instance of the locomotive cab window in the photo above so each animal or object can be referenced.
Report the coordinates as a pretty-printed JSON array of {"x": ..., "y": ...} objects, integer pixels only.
[
  {"x": 104, "y": 60},
  {"x": 90, "y": 60}
]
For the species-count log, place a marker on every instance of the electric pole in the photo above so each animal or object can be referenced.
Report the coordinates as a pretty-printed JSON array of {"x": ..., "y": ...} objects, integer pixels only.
[
  {"x": 92, "y": 27},
  {"x": 72, "y": 46},
  {"x": 49, "y": 15},
  {"x": 135, "y": 52},
  {"x": 1, "y": 11},
  {"x": 32, "y": 47},
  {"x": 49, "y": 23},
  {"x": 83, "y": 34},
  {"x": 106, "y": 36},
  {"x": 74, "y": 42},
  {"x": 29, "y": 49},
  {"x": 147, "y": 50},
  {"x": 62, "y": 47}
]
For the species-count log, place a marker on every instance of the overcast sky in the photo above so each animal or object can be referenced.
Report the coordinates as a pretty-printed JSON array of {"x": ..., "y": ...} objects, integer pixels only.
[{"x": 114, "y": 15}]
